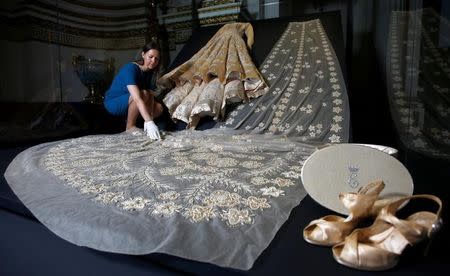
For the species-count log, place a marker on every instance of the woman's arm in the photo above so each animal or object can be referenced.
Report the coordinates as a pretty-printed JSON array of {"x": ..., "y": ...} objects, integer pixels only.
[{"x": 137, "y": 97}]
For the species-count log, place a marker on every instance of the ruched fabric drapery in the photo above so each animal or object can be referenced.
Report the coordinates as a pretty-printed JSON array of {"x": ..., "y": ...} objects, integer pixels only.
[{"x": 222, "y": 71}]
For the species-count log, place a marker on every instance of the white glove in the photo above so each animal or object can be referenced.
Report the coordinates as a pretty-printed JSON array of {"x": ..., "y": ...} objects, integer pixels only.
[{"x": 151, "y": 130}]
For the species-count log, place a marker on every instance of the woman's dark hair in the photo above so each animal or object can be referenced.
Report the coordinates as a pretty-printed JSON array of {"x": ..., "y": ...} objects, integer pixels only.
[{"x": 151, "y": 45}]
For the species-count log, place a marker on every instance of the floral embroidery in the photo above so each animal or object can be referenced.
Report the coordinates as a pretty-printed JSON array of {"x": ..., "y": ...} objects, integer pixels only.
[
  {"x": 256, "y": 203},
  {"x": 137, "y": 203},
  {"x": 166, "y": 209},
  {"x": 271, "y": 191},
  {"x": 198, "y": 183},
  {"x": 110, "y": 197},
  {"x": 291, "y": 174},
  {"x": 172, "y": 170},
  {"x": 223, "y": 199},
  {"x": 198, "y": 213},
  {"x": 282, "y": 182},
  {"x": 222, "y": 162},
  {"x": 251, "y": 164},
  {"x": 234, "y": 216},
  {"x": 170, "y": 195}
]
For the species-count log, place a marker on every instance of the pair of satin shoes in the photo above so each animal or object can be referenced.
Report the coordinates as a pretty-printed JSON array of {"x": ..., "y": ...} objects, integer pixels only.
[{"x": 379, "y": 246}]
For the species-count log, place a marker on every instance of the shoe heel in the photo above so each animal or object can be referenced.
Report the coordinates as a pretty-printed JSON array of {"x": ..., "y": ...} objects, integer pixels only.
[{"x": 435, "y": 228}]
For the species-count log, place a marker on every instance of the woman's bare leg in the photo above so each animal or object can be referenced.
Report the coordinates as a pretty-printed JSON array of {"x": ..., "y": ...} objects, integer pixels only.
[
  {"x": 154, "y": 108},
  {"x": 133, "y": 113}
]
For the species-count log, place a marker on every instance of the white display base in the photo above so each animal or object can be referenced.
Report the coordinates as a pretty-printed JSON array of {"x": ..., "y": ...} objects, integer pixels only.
[{"x": 348, "y": 167}]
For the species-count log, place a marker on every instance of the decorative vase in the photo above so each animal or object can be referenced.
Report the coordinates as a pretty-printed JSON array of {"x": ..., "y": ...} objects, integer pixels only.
[{"x": 95, "y": 74}]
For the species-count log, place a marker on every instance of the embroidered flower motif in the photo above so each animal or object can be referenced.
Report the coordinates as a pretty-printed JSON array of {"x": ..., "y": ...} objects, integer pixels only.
[
  {"x": 234, "y": 216},
  {"x": 229, "y": 121},
  {"x": 166, "y": 209},
  {"x": 334, "y": 138},
  {"x": 172, "y": 170},
  {"x": 222, "y": 198},
  {"x": 337, "y": 109},
  {"x": 273, "y": 128},
  {"x": 93, "y": 189},
  {"x": 283, "y": 182},
  {"x": 222, "y": 162},
  {"x": 405, "y": 119},
  {"x": 110, "y": 197},
  {"x": 133, "y": 204},
  {"x": 271, "y": 191},
  {"x": 216, "y": 148},
  {"x": 337, "y": 118},
  {"x": 198, "y": 213},
  {"x": 256, "y": 157},
  {"x": 251, "y": 164},
  {"x": 291, "y": 174},
  {"x": 170, "y": 195},
  {"x": 259, "y": 180},
  {"x": 336, "y": 86},
  {"x": 279, "y": 113},
  {"x": 284, "y": 100},
  {"x": 400, "y": 102},
  {"x": 419, "y": 143},
  {"x": 335, "y": 127},
  {"x": 337, "y": 101},
  {"x": 256, "y": 203},
  {"x": 307, "y": 109},
  {"x": 415, "y": 131}
]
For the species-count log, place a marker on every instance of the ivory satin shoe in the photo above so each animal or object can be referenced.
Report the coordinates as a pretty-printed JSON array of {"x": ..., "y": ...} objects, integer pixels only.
[
  {"x": 332, "y": 229},
  {"x": 379, "y": 246}
]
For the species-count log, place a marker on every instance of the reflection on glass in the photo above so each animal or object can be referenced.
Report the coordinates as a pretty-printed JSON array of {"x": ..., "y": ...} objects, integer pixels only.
[{"x": 418, "y": 73}]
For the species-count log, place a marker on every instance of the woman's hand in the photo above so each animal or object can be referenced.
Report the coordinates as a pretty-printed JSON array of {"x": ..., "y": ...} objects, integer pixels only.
[{"x": 152, "y": 131}]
